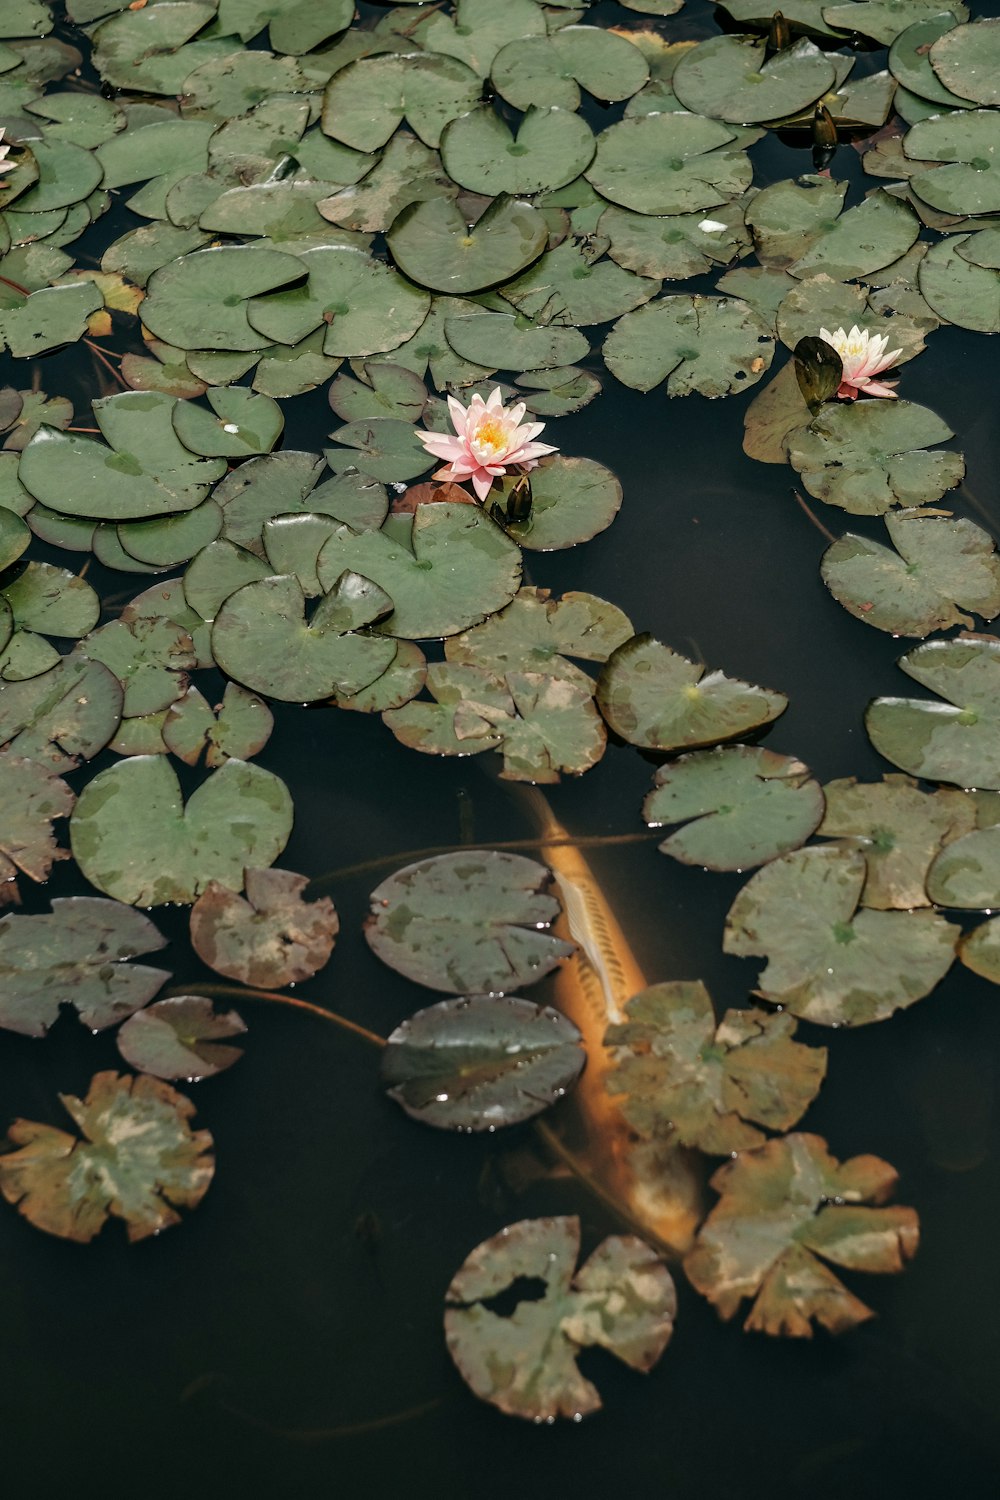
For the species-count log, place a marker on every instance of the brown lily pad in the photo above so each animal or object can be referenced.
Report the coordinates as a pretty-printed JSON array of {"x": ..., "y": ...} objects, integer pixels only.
[
  {"x": 270, "y": 938},
  {"x": 179, "y": 1038}
]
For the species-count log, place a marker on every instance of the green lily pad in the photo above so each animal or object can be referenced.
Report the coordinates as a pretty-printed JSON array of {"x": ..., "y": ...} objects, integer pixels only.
[
  {"x": 447, "y": 570},
  {"x": 802, "y": 15},
  {"x": 243, "y": 424},
  {"x": 967, "y": 872},
  {"x": 146, "y": 471},
  {"x": 655, "y": 698},
  {"x": 63, "y": 716},
  {"x": 828, "y": 961},
  {"x": 31, "y": 798},
  {"x": 387, "y": 390},
  {"x": 983, "y": 249},
  {"x": 675, "y": 246},
  {"x": 239, "y": 728},
  {"x": 730, "y": 78},
  {"x": 957, "y": 289},
  {"x": 263, "y": 638},
  {"x": 788, "y": 216},
  {"x": 712, "y": 345},
  {"x": 407, "y": 172},
  {"x": 166, "y": 541},
  {"x": 134, "y": 839},
  {"x": 151, "y": 658},
  {"x": 165, "y": 600},
  {"x": 884, "y": 20},
  {"x": 151, "y": 50},
  {"x": 382, "y": 448},
  {"x": 967, "y": 60},
  {"x": 513, "y": 342},
  {"x": 367, "y": 100},
  {"x": 899, "y": 829},
  {"x": 270, "y": 939},
  {"x": 200, "y": 300},
  {"x": 218, "y": 571},
  {"x": 868, "y": 456},
  {"x": 621, "y": 1299},
  {"x": 481, "y": 1063},
  {"x": 773, "y": 416},
  {"x": 670, "y": 164},
  {"x": 965, "y": 143},
  {"x": 52, "y": 600},
  {"x": 474, "y": 922},
  {"x": 433, "y": 245},
  {"x": 910, "y": 61},
  {"x": 286, "y": 483},
  {"x": 573, "y": 499},
  {"x": 479, "y": 28},
  {"x": 979, "y": 950},
  {"x": 955, "y": 741},
  {"x": 940, "y": 567},
  {"x": 138, "y": 1160},
  {"x": 537, "y": 633},
  {"x": 76, "y": 955},
  {"x": 551, "y": 71},
  {"x": 401, "y": 681},
  {"x": 179, "y": 1038},
  {"x": 867, "y": 237},
  {"x": 50, "y": 317},
  {"x": 551, "y": 148},
  {"x": 786, "y": 1210},
  {"x": 568, "y": 288},
  {"x": 819, "y": 302},
  {"x": 556, "y": 393},
  {"x": 679, "y": 1078},
  {"x": 748, "y": 805},
  {"x": 542, "y": 724}
]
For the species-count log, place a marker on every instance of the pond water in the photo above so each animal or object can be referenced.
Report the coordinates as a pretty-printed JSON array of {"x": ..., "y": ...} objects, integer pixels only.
[{"x": 286, "y": 1338}]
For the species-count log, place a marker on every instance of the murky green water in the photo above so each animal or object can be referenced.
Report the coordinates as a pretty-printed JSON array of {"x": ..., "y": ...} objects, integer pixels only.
[{"x": 286, "y": 1340}]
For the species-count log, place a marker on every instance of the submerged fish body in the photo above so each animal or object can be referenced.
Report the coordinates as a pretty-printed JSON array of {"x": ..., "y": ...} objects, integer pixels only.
[{"x": 660, "y": 1185}]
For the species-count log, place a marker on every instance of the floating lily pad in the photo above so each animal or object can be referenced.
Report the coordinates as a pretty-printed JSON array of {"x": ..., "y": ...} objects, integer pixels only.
[
  {"x": 272, "y": 938},
  {"x": 180, "y": 1038},
  {"x": 243, "y": 423},
  {"x": 899, "y": 829},
  {"x": 801, "y": 15},
  {"x": 678, "y": 1078},
  {"x": 482, "y": 154},
  {"x": 551, "y": 71},
  {"x": 433, "y": 245},
  {"x": 481, "y": 1063},
  {"x": 387, "y": 390},
  {"x": 910, "y": 63},
  {"x": 401, "y": 681},
  {"x": 447, "y": 570},
  {"x": 542, "y": 724},
  {"x": 573, "y": 499},
  {"x": 787, "y": 217},
  {"x": 954, "y": 741},
  {"x": 474, "y": 922},
  {"x": 675, "y": 246},
  {"x": 747, "y": 805},
  {"x": 657, "y": 699},
  {"x": 819, "y": 302},
  {"x": 967, "y": 872},
  {"x": 868, "y": 456},
  {"x": 63, "y": 716},
  {"x": 281, "y": 484},
  {"x": 979, "y": 950},
  {"x": 239, "y": 728},
  {"x": 773, "y": 416},
  {"x": 828, "y": 961},
  {"x": 621, "y": 1299},
  {"x": 959, "y": 290},
  {"x": 200, "y": 300},
  {"x": 939, "y": 565},
  {"x": 884, "y": 20},
  {"x": 134, "y": 838},
  {"x": 151, "y": 658},
  {"x": 49, "y": 318},
  {"x": 263, "y": 638},
  {"x": 407, "y": 172},
  {"x": 138, "y": 1160},
  {"x": 515, "y": 343},
  {"x": 31, "y": 799},
  {"x": 670, "y": 164},
  {"x": 52, "y": 600},
  {"x": 712, "y": 345},
  {"x": 867, "y": 237},
  {"x": 479, "y": 28},
  {"x": 731, "y": 78},
  {"x": 965, "y": 143},
  {"x": 146, "y": 471},
  {"x": 785, "y": 1211},
  {"x": 537, "y": 633},
  {"x": 568, "y": 288},
  {"x": 556, "y": 393},
  {"x": 967, "y": 60},
  {"x": 76, "y": 955},
  {"x": 367, "y": 100}
]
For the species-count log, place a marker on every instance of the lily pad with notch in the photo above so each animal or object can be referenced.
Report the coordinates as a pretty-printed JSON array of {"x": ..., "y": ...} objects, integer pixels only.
[
  {"x": 241, "y": 423},
  {"x": 967, "y": 60},
  {"x": 740, "y": 805},
  {"x": 482, "y": 154},
  {"x": 366, "y": 101},
  {"x": 472, "y": 922},
  {"x": 238, "y": 728},
  {"x": 433, "y": 244},
  {"x": 572, "y": 500},
  {"x": 272, "y": 937},
  {"x": 957, "y": 288},
  {"x": 732, "y": 78},
  {"x": 200, "y": 300},
  {"x": 827, "y": 961},
  {"x": 32, "y": 797},
  {"x": 180, "y": 1038},
  {"x": 136, "y": 1159},
  {"x": 537, "y": 633},
  {"x": 871, "y": 455},
  {"x": 62, "y": 716},
  {"x": 621, "y": 1299},
  {"x": 674, "y": 247},
  {"x": 712, "y": 345},
  {"x": 957, "y": 741},
  {"x": 550, "y": 71},
  {"x": 481, "y": 1062},
  {"x": 666, "y": 163},
  {"x": 677, "y": 1077},
  {"x": 568, "y": 287}
]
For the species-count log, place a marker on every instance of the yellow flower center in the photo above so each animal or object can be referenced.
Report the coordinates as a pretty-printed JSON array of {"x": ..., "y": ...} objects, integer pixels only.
[{"x": 491, "y": 434}]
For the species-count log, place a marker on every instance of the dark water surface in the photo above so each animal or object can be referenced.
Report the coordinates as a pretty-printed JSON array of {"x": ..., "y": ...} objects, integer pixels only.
[{"x": 267, "y": 1346}]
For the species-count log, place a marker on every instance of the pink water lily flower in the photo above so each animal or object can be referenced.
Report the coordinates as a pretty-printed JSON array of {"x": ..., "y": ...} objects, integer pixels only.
[
  {"x": 489, "y": 439},
  {"x": 863, "y": 355}
]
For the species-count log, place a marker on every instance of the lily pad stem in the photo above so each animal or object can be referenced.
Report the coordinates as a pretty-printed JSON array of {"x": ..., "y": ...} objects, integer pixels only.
[{"x": 237, "y": 992}]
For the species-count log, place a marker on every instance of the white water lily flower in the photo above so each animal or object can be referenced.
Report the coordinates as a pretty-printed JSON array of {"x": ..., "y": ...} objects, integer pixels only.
[
  {"x": 863, "y": 355},
  {"x": 4, "y": 153}
]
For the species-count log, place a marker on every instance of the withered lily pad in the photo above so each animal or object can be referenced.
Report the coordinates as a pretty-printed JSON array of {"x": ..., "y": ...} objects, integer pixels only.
[
  {"x": 76, "y": 955},
  {"x": 474, "y": 922},
  {"x": 900, "y": 829},
  {"x": 869, "y": 456},
  {"x": 238, "y": 728},
  {"x": 828, "y": 961},
  {"x": 136, "y": 1159},
  {"x": 134, "y": 838},
  {"x": 31, "y": 799},
  {"x": 621, "y": 1299},
  {"x": 678, "y": 1077},
  {"x": 939, "y": 565},
  {"x": 958, "y": 740},
  {"x": 657, "y": 699},
  {"x": 740, "y": 806},
  {"x": 480, "y": 1063},
  {"x": 272, "y": 938},
  {"x": 785, "y": 1210},
  {"x": 180, "y": 1038}
]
